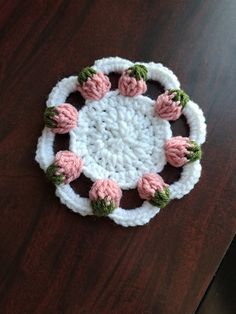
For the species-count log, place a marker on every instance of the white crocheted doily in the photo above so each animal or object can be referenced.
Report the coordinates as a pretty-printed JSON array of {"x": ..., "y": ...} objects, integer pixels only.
[{"x": 121, "y": 138}]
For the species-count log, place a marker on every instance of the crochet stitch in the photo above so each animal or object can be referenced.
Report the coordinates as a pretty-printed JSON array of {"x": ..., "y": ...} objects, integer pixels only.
[
  {"x": 166, "y": 108},
  {"x": 120, "y": 138},
  {"x": 122, "y": 141},
  {"x": 61, "y": 119},
  {"x": 179, "y": 150},
  {"x": 132, "y": 82},
  {"x": 85, "y": 74},
  {"x": 151, "y": 187},
  {"x": 180, "y": 96},
  {"x": 92, "y": 84},
  {"x": 170, "y": 104},
  {"x": 105, "y": 196},
  {"x": 65, "y": 168}
]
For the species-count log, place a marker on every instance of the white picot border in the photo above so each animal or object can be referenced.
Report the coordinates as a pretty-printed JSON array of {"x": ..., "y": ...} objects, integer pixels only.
[{"x": 191, "y": 171}]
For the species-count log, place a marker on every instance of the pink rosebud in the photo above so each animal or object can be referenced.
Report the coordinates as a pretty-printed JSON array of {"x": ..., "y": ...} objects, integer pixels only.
[
  {"x": 105, "y": 196},
  {"x": 170, "y": 104},
  {"x": 93, "y": 85},
  {"x": 166, "y": 108},
  {"x": 66, "y": 168},
  {"x": 180, "y": 150},
  {"x": 61, "y": 119},
  {"x": 151, "y": 187},
  {"x": 132, "y": 82}
]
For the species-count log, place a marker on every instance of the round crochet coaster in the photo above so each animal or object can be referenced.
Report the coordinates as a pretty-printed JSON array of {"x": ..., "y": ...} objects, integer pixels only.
[{"x": 121, "y": 139}]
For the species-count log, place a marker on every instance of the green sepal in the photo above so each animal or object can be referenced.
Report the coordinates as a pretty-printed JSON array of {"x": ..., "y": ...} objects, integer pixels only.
[
  {"x": 52, "y": 176},
  {"x": 161, "y": 198},
  {"x": 85, "y": 74},
  {"x": 180, "y": 96},
  {"x": 49, "y": 114},
  {"x": 194, "y": 152},
  {"x": 139, "y": 71},
  {"x": 102, "y": 207}
]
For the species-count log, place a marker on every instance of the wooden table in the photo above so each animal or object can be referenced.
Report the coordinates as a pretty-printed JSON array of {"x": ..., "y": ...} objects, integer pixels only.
[{"x": 53, "y": 261}]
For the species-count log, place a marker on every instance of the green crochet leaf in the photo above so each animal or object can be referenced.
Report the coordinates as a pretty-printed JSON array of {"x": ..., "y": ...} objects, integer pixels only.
[
  {"x": 49, "y": 114},
  {"x": 180, "y": 96},
  {"x": 139, "y": 71},
  {"x": 161, "y": 199},
  {"x": 52, "y": 176},
  {"x": 194, "y": 152},
  {"x": 102, "y": 207},
  {"x": 85, "y": 74}
]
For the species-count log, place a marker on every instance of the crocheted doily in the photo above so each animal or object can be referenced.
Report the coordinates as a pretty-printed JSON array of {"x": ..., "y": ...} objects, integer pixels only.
[{"x": 121, "y": 139}]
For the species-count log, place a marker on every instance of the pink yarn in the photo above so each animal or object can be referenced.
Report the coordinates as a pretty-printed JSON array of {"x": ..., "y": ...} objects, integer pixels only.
[
  {"x": 95, "y": 87},
  {"x": 106, "y": 189},
  {"x": 66, "y": 118},
  {"x": 149, "y": 184},
  {"x": 166, "y": 108},
  {"x": 176, "y": 150},
  {"x": 129, "y": 86},
  {"x": 69, "y": 165}
]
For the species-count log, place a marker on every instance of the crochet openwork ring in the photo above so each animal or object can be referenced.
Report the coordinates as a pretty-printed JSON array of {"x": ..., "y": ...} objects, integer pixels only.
[{"x": 121, "y": 139}]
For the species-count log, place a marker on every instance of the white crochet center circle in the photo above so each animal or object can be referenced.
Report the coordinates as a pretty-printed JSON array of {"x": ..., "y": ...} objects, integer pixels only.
[
  {"x": 191, "y": 171},
  {"x": 120, "y": 138}
]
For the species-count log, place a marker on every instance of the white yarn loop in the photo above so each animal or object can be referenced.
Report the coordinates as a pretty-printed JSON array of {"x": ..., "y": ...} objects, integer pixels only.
[{"x": 140, "y": 111}]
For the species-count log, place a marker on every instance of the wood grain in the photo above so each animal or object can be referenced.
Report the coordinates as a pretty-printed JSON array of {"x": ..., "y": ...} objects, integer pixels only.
[{"x": 53, "y": 261}]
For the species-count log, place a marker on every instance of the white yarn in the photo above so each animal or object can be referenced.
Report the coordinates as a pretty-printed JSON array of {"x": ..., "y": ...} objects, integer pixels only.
[
  {"x": 191, "y": 171},
  {"x": 112, "y": 64},
  {"x": 44, "y": 153},
  {"x": 196, "y": 122},
  {"x": 74, "y": 201},
  {"x": 120, "y": 138},
  {"x": 189, "y": 177},
  {"x": 61, "y": 91},
  {"x": 134, "y": 217}
]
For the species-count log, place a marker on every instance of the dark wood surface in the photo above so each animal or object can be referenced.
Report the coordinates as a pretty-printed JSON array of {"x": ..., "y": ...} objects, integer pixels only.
[
  {"x": 53, "y": 261},
  {"x": 220, "y": 296}
]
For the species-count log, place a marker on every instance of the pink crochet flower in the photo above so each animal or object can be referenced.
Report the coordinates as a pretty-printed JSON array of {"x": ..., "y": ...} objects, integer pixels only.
[
  {"x": 61, "y": 119},
  {"x": 170, "y": 104},
  {"x": 180, "y": 150},
  {"x": 132, "y": 81},
  {"x": 166, "y": 108},
  {"x": 93, "y": 85},
  {"x": 151, "y": 187},
  {"x": 105, "y": 196},
  {"x": 66, "y": 168}
]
